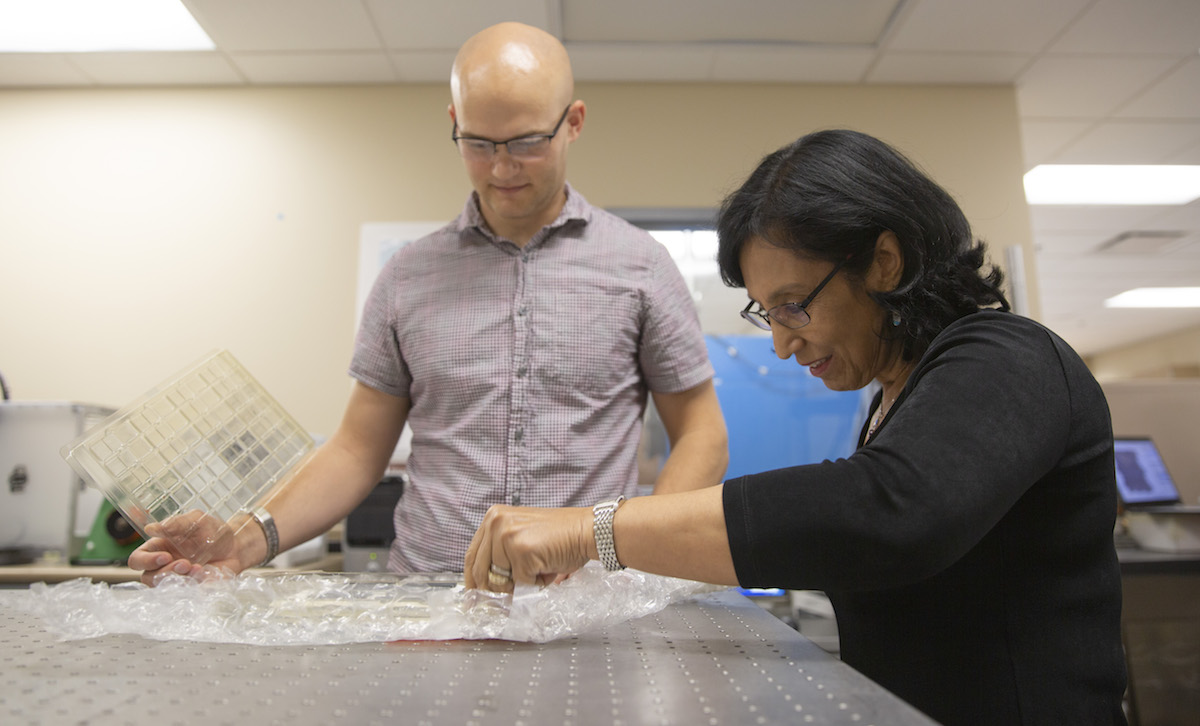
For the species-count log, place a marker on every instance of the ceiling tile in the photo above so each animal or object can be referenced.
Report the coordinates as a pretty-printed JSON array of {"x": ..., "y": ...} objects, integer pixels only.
[
  {"x": 1083, "y": 87},
  {"x": 407, "y": 25},
  {"x": 39, "y": 69},
  {"x": 1042, "y": 140},
  {"x": 423, "y": 66},
  {"x": 1187, "y": 156},
  {"x": 1154, "y": 243},
  {"x": 1185, "y": 217},
  {"x": 1175, "y": 96},
  {"x": 635, "y": 61},
  {"x": 1078, "y": 294},
  {"x": 1012, "y": 26},
  {"x": 157, "y": 69},
  {"x": 1054, "y": 246},
  {"x": 780, "y": 21},
  {"x": 1134, "y": 26},
  {"x": 790, "y": 64},
  {"x": 1108, "y": 220},
  {"x": 1116, "y": 273},
  {"x": 1187, "y": 250},
  {"x": 1131, "y": 142},
  {"x": 316, "y": 68},
  {"x": 286, "y": 25},
  {"x": 912, "y": 67}
]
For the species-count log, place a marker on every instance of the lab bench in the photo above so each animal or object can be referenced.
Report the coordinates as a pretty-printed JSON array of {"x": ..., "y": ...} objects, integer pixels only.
[{"x": 716, "y": 659}]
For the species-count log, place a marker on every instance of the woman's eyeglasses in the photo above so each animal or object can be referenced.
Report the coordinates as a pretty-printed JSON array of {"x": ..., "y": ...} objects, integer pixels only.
[{"x": 789, "y": 315}]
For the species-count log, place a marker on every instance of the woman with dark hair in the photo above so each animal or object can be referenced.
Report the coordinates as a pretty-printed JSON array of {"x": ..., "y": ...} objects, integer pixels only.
[{"x": 966, "y": 544}]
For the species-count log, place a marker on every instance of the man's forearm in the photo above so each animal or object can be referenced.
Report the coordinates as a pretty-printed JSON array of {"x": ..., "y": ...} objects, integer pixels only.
[
  {"x": 697, "y": 460},
  {"x": 326, "y": 489}
]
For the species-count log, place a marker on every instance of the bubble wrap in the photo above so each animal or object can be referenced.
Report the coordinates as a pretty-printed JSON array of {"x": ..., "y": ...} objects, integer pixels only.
[{"x": 334, "y": 608}]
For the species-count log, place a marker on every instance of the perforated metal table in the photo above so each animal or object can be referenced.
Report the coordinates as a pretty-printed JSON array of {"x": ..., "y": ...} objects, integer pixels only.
[{"x": 716, "y": 660}]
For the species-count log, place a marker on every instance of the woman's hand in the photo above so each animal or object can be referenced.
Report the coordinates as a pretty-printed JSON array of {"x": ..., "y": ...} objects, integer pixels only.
[{"x": 538, "y": 546}]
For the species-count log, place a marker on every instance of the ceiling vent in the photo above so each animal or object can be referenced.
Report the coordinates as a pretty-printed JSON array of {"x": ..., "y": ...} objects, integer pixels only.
[{"x": 1141, "y": 242}]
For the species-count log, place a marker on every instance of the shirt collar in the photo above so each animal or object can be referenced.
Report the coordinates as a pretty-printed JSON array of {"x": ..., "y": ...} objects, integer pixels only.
[{"x": 576, "y": 209}]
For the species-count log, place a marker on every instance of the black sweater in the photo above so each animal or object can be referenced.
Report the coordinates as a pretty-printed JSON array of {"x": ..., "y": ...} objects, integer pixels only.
[{"x": 967, "y": 548}]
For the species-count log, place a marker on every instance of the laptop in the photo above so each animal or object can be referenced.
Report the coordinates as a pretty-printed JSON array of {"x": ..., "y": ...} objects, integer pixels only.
[
  {"x": 1154, "y": 516},
  {"x": 1143, "y": 482}
]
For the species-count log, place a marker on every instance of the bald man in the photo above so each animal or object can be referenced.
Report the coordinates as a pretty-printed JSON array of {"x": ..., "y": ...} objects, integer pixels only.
[{"x": 519, "y": 343}]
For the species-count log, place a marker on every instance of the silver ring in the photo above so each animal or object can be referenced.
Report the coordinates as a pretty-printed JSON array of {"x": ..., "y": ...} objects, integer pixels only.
[{"x": 499, "y": 571}]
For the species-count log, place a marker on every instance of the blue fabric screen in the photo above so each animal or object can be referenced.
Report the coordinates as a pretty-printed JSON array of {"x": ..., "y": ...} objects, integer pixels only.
[{"x": 777, "y": 413}]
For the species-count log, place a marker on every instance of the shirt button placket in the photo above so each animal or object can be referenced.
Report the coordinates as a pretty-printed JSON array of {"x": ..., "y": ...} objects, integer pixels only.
[{"x": 518, "y": 384}]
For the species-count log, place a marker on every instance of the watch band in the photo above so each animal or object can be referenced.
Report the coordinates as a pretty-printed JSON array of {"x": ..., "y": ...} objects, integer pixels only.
[
  {"x": 602, "y": 530},
  {"x": 267, "y": 522}
]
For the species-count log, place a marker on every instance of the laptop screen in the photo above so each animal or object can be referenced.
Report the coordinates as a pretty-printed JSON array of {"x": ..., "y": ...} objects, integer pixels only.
[{"x": 1142, "y": 476}]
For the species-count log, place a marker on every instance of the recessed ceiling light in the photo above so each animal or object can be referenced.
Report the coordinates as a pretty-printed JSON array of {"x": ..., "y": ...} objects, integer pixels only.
[
  {"x": 1112, "y": 184},
  {"x": 1156, "y": 297},
  {"x": 81, "y": 26}
]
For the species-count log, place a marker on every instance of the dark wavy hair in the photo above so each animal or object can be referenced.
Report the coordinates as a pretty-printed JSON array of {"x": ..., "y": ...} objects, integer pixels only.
[{"x": 830, "y": 194}]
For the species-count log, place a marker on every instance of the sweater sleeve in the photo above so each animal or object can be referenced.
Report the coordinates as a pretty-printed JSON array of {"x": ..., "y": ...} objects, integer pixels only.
[{"x": 985, "y": 414}]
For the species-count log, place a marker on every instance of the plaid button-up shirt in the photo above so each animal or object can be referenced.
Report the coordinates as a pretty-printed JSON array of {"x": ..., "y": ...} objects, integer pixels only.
[{"x": 527, "y": 368}]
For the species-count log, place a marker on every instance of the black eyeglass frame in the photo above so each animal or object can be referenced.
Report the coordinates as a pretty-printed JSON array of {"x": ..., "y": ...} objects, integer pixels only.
[
  {"x": 762, "y": 320},
  {"x": 524, "y": 137}
]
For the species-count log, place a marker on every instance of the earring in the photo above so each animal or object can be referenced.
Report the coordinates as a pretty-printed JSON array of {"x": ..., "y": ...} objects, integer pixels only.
[{"x": 895, "y": 318}]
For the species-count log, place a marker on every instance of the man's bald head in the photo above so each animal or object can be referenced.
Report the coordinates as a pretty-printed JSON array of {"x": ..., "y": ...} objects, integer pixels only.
[{"x": 516, "y": 62}]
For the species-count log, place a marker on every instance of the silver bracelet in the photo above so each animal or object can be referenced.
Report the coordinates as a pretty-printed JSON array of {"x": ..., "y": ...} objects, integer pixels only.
[
  {"x": 602, "y": 530},
  {"x": 267, "y": 522}
]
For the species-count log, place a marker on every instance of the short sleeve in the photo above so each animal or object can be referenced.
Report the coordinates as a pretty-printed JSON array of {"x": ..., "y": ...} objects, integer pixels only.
[
  {"x": 673, "y": 356},
  {"x": 378, "y": 361}
]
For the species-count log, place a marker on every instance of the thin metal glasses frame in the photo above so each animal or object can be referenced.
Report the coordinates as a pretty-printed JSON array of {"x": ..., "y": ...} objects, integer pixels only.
[
  {"x": 762, "y": 320},
  {"x": 527, "y": 138}
]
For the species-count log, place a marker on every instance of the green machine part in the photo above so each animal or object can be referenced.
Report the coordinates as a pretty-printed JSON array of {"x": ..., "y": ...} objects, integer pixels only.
[{"x": 110, "y": 540}]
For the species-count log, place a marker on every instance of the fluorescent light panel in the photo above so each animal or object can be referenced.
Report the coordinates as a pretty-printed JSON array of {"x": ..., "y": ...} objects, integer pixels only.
[
  {"x": 1156, "y": 297},
  {"x": 1112, "y": 184},
  {"x": 81, "y": 26}
]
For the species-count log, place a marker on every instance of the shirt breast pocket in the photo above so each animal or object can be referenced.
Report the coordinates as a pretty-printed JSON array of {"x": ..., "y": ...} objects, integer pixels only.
[{"x": 594, "y": 344}]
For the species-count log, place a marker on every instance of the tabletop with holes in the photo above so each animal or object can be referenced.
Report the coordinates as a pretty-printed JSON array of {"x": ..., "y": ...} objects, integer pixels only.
[{"x": 715, "y": 660}]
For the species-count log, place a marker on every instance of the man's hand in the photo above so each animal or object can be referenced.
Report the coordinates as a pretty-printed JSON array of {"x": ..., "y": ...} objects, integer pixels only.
[{"x": 195, "y": 544}]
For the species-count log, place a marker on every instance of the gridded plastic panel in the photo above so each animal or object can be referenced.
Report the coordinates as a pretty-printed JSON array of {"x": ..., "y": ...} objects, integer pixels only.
[{"x": 209, "y": 439}]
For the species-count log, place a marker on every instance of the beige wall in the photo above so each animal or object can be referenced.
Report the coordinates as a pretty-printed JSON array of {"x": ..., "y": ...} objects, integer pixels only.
[
  {"x": 1169, "y": 356},
  {"x": 140, "y": 229}
]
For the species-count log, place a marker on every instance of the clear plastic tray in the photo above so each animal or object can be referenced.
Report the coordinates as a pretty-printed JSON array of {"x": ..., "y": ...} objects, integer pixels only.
[{"x": 210, "y": 440}]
